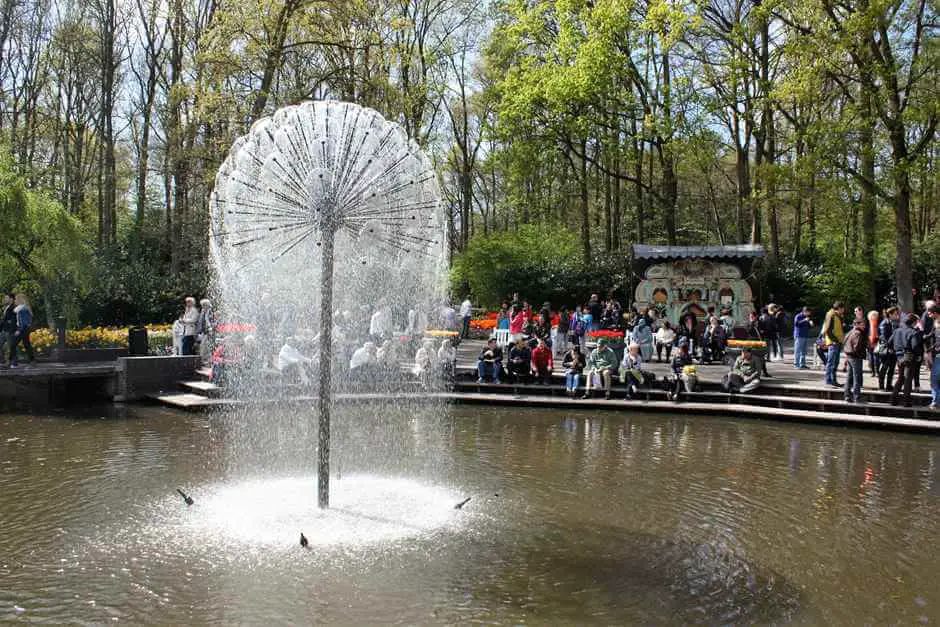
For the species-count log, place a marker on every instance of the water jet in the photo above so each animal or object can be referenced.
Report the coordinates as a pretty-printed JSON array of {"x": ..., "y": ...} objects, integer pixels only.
[{"x": 301, "y": 182}]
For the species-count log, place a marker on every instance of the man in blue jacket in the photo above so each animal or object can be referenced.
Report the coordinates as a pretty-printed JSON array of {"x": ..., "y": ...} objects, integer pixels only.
[{"x": 802, "y": 332}]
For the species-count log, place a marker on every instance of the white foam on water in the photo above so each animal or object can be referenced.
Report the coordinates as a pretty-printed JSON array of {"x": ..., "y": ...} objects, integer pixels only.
[{"x": 363, "y": 510}]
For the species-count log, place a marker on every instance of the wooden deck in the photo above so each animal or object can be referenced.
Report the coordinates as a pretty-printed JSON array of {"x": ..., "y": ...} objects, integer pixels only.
[{"x": 47, "y": 369}]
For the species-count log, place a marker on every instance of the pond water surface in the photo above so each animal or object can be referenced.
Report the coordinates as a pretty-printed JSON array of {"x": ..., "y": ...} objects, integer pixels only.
[{"x": 574, "y": 518}]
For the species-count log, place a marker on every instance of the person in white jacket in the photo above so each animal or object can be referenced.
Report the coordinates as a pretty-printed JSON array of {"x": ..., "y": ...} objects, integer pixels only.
[
  {"x": 290, "y": 360},
  {"x": 466, "y": 312},
  {"x": 189, "y": 320},
  {"x": 424, "y": 361},
  {"x": 665, "y": 339},
  {"x": 447, "y": 358},
  {"x": 380, "y": 325}
]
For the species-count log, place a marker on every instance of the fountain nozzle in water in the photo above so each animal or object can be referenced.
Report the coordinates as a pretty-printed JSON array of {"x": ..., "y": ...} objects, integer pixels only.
[{"x": 188, "y": 499}]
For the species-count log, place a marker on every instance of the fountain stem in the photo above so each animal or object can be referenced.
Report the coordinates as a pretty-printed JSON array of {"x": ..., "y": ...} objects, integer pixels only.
[{"x": 326, "y": 366}]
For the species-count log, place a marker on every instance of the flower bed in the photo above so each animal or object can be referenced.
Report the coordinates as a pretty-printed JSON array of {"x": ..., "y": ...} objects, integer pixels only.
[
  {"x": 485, "y": 324},
  {"x": 159, "y": 338},
  {"x": 751, "y": 344},
  {"x": 616, "y": 336}
]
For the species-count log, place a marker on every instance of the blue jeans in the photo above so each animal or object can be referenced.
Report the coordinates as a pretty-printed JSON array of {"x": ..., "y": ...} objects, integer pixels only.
[
  {"x": 495, "y": 369},
  {"x": 853, "y": 379},
  {"x": 832, "y": 363},
  {"x": 935, "y": 380},
  {"x": 572, "y": 379},
  {"x": 800, "y": 345}
]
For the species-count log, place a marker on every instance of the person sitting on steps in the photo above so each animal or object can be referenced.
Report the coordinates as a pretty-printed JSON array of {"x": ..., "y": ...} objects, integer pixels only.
[
  {"x": 520, "y": 357},
  {"x": 744, "y": 376},
  {"x": 603, "y": 363},
  {"x": 684, "y": 377},
  {"x": 542, "y": 363},
  {"x": 573, "y": 363},
  {"x": 490, "y": 362},
  {"x": 631, "y": 370}
]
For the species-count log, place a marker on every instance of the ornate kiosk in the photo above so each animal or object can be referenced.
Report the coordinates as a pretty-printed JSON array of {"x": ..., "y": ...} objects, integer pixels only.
[{"x": 679, "y": 279}]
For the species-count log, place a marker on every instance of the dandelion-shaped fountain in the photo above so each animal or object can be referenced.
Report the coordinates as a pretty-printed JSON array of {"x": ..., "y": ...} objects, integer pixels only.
[{"x": 316, "y": 190}]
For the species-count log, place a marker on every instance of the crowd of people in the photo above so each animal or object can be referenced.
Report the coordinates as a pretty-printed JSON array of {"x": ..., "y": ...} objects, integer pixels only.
[
  {"x": 892, "y": 345},
  {"x": 895, "y": 346},
  {"x": 369, "y": 344}
]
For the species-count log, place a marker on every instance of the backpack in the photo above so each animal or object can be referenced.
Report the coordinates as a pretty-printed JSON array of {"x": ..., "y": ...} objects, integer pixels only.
[{"x": 578, "y": 326}]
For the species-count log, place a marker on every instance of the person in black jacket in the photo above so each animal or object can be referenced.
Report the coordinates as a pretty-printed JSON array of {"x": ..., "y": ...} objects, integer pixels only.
[
  {"x": 490, "y": 362},
  {"x": 887, "y": 361},
  {"x": 520, "y": 358},
  {"x": 7, "y": 326},
  {"x": 908, "y": 347},
  {"x": 753, "y": 332}
]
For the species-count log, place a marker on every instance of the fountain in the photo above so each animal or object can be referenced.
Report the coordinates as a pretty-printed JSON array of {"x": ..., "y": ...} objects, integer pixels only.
[{"x": 316, "y": 191}]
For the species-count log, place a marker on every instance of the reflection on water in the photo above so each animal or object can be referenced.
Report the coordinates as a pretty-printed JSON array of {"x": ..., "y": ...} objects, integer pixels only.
[{"x": 575, "y": 518}]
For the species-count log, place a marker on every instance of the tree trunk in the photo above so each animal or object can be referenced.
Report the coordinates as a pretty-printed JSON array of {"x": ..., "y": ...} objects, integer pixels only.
[
  {"x": 585, "y": 217},
  {"x": 670, "y": 184},
  {"x": 867, "y": 180},
  {"x": 107, "y": 232}
]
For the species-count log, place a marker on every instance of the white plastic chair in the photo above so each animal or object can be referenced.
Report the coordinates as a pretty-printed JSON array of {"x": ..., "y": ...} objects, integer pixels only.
[{"x": 502, "y": 336}]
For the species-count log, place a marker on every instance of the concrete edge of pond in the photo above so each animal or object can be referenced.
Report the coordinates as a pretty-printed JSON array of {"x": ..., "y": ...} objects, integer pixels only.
[{"x": 195, "y": 402}]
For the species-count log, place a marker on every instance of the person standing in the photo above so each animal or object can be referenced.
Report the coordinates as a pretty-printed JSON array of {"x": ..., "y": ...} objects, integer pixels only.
[
  {"x": 908, "y": 349},
  {"x": 643, "y": 337},
  {"x": 855, "y": 348},
  {"x": 768, "y": 330},
  {"x": 466, "y": 311},
  {"x": 595, "y": 308},
  {"x": 517, "y": 322},
  {"x": 7, "y": 327},
  {"x": 780, "y": 330},
  {"x": 934, "y": 342},
  {"x": 688, "y": 330},
  {"x": 665, "y": 338},
  {"x": 24, "y": 323},
  {"x": 189, "y": 321},
  {"x": 380, "y": 324},
  {"x": 580, "y": 324},
  {"x": 887, "y": 361},
  {"x": 205, "y": 330},
  {"x": 833, "y": 335},
  {"x": 802, "y": 332},
  {"x": 560, "y": 342}
]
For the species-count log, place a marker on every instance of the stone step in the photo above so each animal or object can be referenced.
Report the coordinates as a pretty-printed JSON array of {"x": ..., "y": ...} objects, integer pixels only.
[
  {"x": 204, "y": 388},
  {"x": 190, "y": 401},
  {"x": 712, "y": 394}
]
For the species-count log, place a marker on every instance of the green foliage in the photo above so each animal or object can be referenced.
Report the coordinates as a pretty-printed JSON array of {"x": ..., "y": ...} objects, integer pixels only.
[
  {"x": 44, "y": 251},
  {"x": 495, "y": 265},
  {"x": 817, "y": 281},
  {"x": 542, "y": 263}
]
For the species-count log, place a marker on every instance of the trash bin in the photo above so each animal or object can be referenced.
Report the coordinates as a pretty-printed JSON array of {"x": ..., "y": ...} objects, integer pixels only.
[{"x": 137, "y": 342}]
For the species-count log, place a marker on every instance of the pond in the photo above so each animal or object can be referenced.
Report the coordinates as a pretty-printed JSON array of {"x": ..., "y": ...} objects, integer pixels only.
[{"x": 574, "y": 518}]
